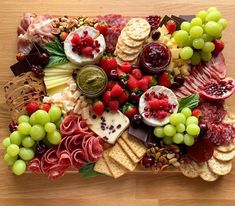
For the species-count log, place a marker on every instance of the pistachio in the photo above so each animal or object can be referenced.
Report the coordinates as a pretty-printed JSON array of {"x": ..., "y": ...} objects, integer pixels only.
[
  {"x": 170, "y": 155},
  {"x": 156, "y": 148},
  {"x": 157, "y": 155},
  {"x": 153, "y": 150},
  {"x": 173, "y": 160}
]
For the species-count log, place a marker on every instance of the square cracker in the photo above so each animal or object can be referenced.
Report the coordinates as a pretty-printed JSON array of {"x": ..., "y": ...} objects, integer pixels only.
[
  {"x": 136, "y": 146},
  {"x": 116, "y": 169},
  {"x": 102, "y": 167},
  {"x": 128, "y": 151},
  {"x": 118, "y": 155}
]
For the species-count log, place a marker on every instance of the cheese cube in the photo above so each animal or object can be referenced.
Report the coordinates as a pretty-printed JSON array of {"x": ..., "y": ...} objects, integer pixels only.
[{"x": 175, "y": 53}]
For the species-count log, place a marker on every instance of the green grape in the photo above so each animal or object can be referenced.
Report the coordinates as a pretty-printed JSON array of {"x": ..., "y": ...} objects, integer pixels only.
[
  {"x": 13, "y": 150},
  {"x": 193, "y": 129},
  {"x": 54, "y": 137},
  {"x": 32, "y": 119},
  {"x": 178, "y": 138},
  {"x": 28, "y": 142},
  {"x": 169, "y": 130},
  {"x": 180, "y": 128},
  {"x": 202, "y": 15},
  {"x": 208, "y": 47},
  {"x": 189, "y": 42},
  {"x": 16, "y": 137},
  {"x": 198, "y": 43},
  {"x": 58, "y": 122},
  {"x": 50, "y": 127},
  {"x": 196, "y": 32},
  {"x": 26, "y": 154},
  {"x": 177, "y": 118},
  {"x": 196, "y": 22},
  {"x": 158, "y": 132},
  {"x": 37, "y": 132},
  {"x": 42, "y": 117},
  {"x": 213, "y": 16},
  {"x": 196, "y": 58},
  {"x": 24, "y": 128},
  {"x": 213, "y": 29},
  {"x": 223, "y": 22},
  {"x": 23, "y": 118},
  {"x": 188, "y": 140},
  {"x": 207, "y": 38},
  {"x": 187, "y": 112},
  {"x": 168, "y": 140},
  {"x": 186, "y": 53},
  {"x": 212, "y": 8},
  {"x": 185, "y": 26},
  {"x": 206, "y": 56},
  {"x": 19, "y": 167},
  {"x": 54, "y": 113},
  {"x": 192, "y": 120},
  {"x": 181, "y": 37},
  {"x": 9, "y": 159},
  {"x": 6, "y": 142}
]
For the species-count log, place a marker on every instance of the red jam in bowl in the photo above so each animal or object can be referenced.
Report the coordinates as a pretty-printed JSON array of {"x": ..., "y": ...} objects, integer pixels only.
[{"x": 155, "y": 57}]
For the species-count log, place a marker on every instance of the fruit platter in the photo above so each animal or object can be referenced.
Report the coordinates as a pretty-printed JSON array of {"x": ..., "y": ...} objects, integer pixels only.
[{"x": 108, "y": 95}]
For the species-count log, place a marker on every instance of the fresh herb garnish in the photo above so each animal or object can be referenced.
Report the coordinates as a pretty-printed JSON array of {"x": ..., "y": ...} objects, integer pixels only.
[
  {"x": 56, "y": 52},
  {"x": 87, "y": 171},
  {"x": 189, "y": 101}
]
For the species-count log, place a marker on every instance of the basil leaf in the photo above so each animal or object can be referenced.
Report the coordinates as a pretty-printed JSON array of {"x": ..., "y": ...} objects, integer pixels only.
[
  {"x": 56, "y": 60},
  {"x": 189, "y": 101},
  {"x": 87, "y": 171}
]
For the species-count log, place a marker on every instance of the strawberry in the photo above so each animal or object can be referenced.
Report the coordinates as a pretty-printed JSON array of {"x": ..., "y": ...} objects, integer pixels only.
[
  {"x": 88, "y": 41},
  {"x": 46, "y": 107},
  {"x": 108, "y": 63},
  {"x": 197, "y": 112},
  {"x": 76, "y": 40},
  {"x": 87, "y": 51},
  {"x": 124, "y": 97},
  {"x": 161, "y": 114},
  {"x": 117, "y": 90},
  {"x": 154, "y": 104},
  {"x": 114, "y": 105},
  {"x": 171, "y": 26},
  {"x": 126, "y": 67},
  {"x": 132, "y": 83},
  {"x": 219, "y": 46},
  {"x": 110, "y": 84},
  {"x": 121, "y": 74},
  {"x": 32, "y": 107},
  {"x": 151, "y": 80},
  {"x": 63, "y": 35},
  {"x": 98, "y": 108},
  {"x": 164, "y": 79},
  {"x": 102, "y": 27},
  {"x": 143, "y": 85},
  {"x": 137, "y": 73},
  {"x": 106, "y": 97},
  {"x": 129, "y": 110}
]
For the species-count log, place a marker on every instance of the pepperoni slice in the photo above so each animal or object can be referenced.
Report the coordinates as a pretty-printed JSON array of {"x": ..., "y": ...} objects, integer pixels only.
[
  {"x": 34, "y": 166},
  {"x": 56, "y": 171}
]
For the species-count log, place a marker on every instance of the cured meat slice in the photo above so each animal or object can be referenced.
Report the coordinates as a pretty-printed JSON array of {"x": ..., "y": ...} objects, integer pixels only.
[
  {"x": 75, "y": 142},
  {"x": 56, "y": 171},
  {"x": 34, "y": 166},
  {"x": 65, "y": 159},
  {"x": 69, "y": 125},
  {"x": 78, "y": 158}
]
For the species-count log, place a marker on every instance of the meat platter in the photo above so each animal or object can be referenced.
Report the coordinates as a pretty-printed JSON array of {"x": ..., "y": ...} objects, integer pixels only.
[{"x": 108, "y": 95}]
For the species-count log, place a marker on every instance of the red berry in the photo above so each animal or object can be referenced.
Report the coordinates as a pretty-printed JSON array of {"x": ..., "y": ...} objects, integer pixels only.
[
  {"x": 32, "y": 107},
  {"x": 116, "y": 91},
  {"x": 108, "y": 63},
  {"x": 161, "y": 114},
  {"x": 87, "y": 51},
  {"x": 164, "y": 79},
  {"x": 114, "y": 105},
  {"x": 129, "y": 110},
  {"x": 88, "y": 41},
  {"x": 124, "y": 97},
  {"x": 219, "y": 46},
  {"x": 197, "y": 112},
  {"x": 102, "y": 27},
  {"x": 46, "y": 107},
  {"x": 137, "y": 73},
  {"x": 106, "y": 97},
  {"x": 126, "y": 67},
  {"x": 143, "y": 85},
  {"x": 164, "y": 103},
  {"x": 111, "y": 84},
  {"x": 132, "y": 83},
  {"x": 98, "y": 108},
  {"x": 171, "y": 26},
  {"x": 154, "y": 104},
  {"x": 76, "y": 40},
  {"x": 151, "y": 80}
]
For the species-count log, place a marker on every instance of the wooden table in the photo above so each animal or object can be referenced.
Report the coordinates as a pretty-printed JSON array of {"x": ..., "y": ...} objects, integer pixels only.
[{"x": 169, "y": 188}]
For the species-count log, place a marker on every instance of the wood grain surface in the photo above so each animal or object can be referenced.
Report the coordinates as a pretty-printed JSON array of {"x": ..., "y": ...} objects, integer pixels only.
[{"x": 170, "y": 188}]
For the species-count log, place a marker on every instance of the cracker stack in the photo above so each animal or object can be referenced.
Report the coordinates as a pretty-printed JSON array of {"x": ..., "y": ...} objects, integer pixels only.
[
  {"x": 122, "y": 157},
  {"x": 131, "y": 40},
  {"x": 21, "y": 90}
]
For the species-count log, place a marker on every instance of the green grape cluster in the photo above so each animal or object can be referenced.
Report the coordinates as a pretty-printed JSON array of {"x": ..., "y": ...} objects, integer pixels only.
[
  {"x": 196, "y": 37},
  {"x": 182, "y": 129},
  {"x": 21, "y": 144}
]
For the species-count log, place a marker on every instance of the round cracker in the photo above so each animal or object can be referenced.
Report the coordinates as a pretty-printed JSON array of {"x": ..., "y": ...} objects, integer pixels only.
[
  {"x": 190, "y": 170},
  {"x": 138, "y": 28},
  {"x": 224, "y": 156},
  {"x": 218, "y": 167},
  {"x": 227, "y": 148},
  {"x": 125, "y": 57},
  {"x": 120, "y": 62},
  {"x": 206, "y": 174},
  {"x": 126, "y": 49},
  {"x": 129, "y": 41}
]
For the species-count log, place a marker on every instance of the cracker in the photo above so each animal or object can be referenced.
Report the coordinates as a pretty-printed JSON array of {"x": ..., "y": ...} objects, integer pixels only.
[
  {"x": 125, "y": 57},
  {"x": 206, "y": 174},
  {"x": 102, "y": 167},
  {"x": 219, "y": 167},
  {"x": 126, "y": 49},
  {"x": 120, "y": 62},
  {"x": 128, "y": 151},
  {"x": 227, "y": 148},
  {"x": 118, "y": 155},
  {"x": 190, "y": 170},
  {"x": 116, "y": 169},
  {"x": 129, "y": 41},
  {"x": 224, "y": 156},
  {"x": 136, "y": 146}
]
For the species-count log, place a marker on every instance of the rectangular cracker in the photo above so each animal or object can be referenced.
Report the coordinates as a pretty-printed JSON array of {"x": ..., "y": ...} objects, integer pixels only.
[
  {"x": 128, "y": 151},
  {"x": 118, "y": 155},
  {"x": 136, "y": 146},
  {"x": 102, "y": 167},
  {"x": 116, "y": 169}
]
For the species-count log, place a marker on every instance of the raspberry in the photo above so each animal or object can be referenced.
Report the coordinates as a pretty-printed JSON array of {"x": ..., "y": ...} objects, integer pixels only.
[
  {"x": 171, "y": 26},
  {"x": 161, "y": 114},
  {"x": 76, "y": 39},
  {"x": 88, "y": 41},
  {"x": 154, "y": 104},
  {"x": 46, "y": 107},
  {"x": 32, "y": 107}
]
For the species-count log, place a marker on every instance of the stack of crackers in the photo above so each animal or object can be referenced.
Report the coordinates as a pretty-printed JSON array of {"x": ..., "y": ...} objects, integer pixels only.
[
  {"x": 21, "y": 90},
  {"x": 131, "y": 40},
  {"x": 122, "y": 157}
]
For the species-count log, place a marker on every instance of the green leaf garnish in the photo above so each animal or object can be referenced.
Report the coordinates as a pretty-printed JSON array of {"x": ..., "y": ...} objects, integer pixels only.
[
  {"x": 87, "y": 171},
  {"x": 189, "y": 101}
]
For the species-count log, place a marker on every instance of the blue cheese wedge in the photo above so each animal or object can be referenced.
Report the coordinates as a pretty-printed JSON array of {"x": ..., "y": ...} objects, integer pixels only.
[{"x": 109, "y": 126}]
